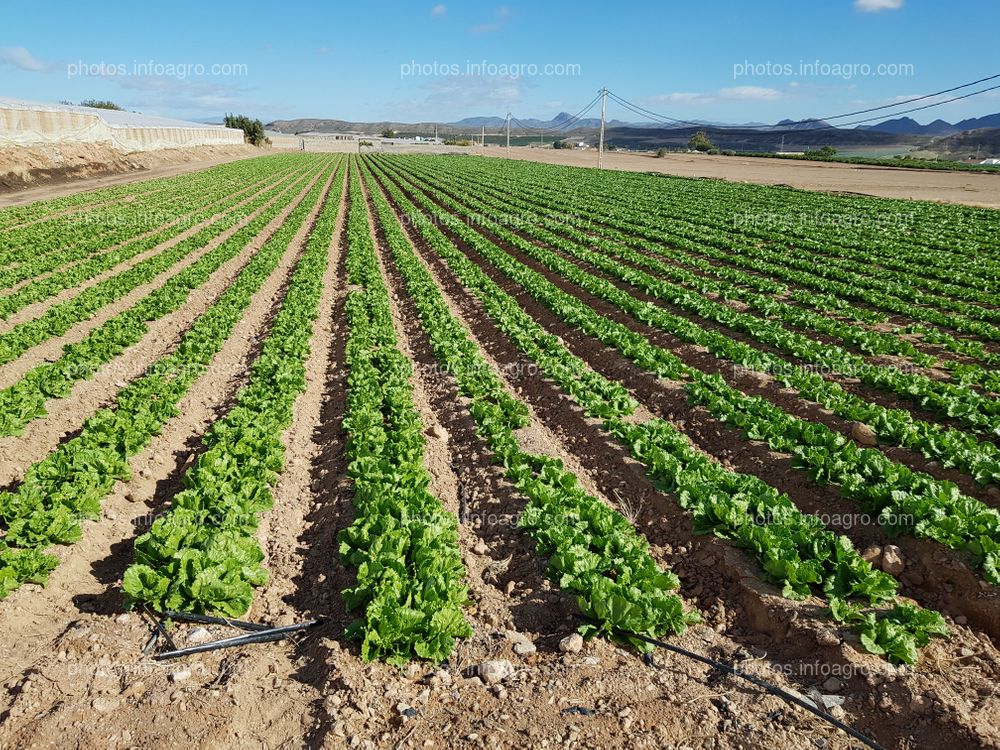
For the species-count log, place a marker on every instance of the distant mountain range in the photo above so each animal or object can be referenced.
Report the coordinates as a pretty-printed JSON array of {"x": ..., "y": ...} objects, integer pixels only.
[
  {"x": 909, "y": 126},
  {"x": 564, "y": 122}
]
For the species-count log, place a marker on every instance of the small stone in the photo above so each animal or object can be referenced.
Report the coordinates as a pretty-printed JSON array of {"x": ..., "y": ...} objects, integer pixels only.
[
  {"x": 103, "y": 705},
  {"x": 832, "y": 685},
  {"x": 122, "y": 619},
  {"x": 524, "y": 648},
  {"x": 837, "y": 712},
  {"x": 591, "y": 661},
  {"x": 443, "y": 676},
  {"x": 180, "y": 675},
  {"x": 491, "y": 672},
  {"x": 480, "y": 548},
  {"x": 873, "y": 554},
  {"x": 920, "y": 704},
  {"x": 966, "y": 652},
  {"x": 198, "y": 636},
  {"x": 863, "y": 434},
  {"x": 892, "y": 560},
  {"x": 961, "y": 620},
  {"x": 438, "y": 432},
  {"x": 571, "y": 644},
  {"x": 509, "y": 588}
]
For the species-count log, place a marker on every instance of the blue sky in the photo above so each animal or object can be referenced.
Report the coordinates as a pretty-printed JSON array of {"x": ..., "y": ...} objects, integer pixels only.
[{"x": 718, "y": 60}]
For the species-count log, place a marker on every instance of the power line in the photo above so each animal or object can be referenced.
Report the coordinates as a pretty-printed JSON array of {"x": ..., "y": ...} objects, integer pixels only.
[
  {"x": 665, "y": 118},
  {"x": 566, "y": 123},
  {"x": 789, "y": 127}
]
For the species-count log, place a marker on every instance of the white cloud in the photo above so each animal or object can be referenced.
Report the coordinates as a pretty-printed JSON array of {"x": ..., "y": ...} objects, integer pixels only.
[
  {"x": 452, "y": 97},
  {"x": 735, "y": 93},
  {"x": 750, "y": 93},
  {"x": 501, "y": 15},
  {"x": 19, "y": 57},
  {"x": 874, "y": 6},
  {"x": 439, "y": 10}
]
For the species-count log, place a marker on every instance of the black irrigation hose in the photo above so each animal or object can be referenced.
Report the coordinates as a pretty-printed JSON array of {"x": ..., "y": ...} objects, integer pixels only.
[
  {"x": 264, "y": 636},
  {"x": 206, "y": 620},
  {"x": 769, "y": 687}
]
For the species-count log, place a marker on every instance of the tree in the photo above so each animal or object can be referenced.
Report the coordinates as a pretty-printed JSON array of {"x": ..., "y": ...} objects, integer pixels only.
[
  {"x": 824, "y": 153},
  {"x": 700, "y": 142},
  {"x": 101, "y": 104},
  {"x": 253, "y": 130},
  {"x": 388, "y": 133}
]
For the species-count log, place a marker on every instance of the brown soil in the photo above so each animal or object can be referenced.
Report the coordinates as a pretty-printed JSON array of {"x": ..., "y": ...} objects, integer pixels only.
[
  {"x": 74, "y": 674},
  {"x": 51, "y": 349},
  {"x": 65, "y": 416}
]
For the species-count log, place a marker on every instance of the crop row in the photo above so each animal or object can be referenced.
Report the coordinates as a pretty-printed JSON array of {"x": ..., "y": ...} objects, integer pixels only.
[
  {"x": 403, "y": 542},
  {"x": 712, "y": 243},
  {"x": 955, "y": 448},
  {"x": 68, "y": 485},
  {"x": 937, "y": 509},
  {"x": 793, "y": 550},
  {"x": 204, "y": 555}
]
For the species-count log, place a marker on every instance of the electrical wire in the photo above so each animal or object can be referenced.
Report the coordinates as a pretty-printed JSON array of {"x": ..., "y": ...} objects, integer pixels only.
[
  {"x": 665, "y": 118},
  {"x": 788, "y": 128},
  {"x": 565, "y": 124}
]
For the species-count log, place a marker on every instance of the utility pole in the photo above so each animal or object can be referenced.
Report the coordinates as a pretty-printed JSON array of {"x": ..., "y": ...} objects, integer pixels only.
[
  {"x": 508, "y": 135},
  {"x": 435, "y": 132},
  {"x": 600, "y": 144},
  {"x": 482, "y": 141},
  {"x": 782, "y": 150}
]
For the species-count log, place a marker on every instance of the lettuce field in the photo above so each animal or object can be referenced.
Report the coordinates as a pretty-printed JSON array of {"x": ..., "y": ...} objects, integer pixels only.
[{"x": 500, "y": 426}]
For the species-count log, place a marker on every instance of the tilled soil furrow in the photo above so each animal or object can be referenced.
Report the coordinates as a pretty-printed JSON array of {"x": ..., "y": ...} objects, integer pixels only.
[
  {"x": 719, "y": 578},
  {"x": 50, "y": 350},
  {"x": 37, "y": 309},
  {"x": 64, "y": 416},
  {"x": 86, "y": 580}
]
